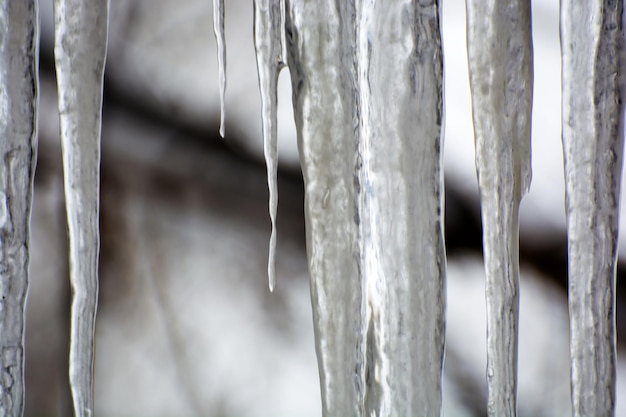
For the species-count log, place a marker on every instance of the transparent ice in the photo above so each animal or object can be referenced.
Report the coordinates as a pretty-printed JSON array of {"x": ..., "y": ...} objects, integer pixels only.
[
  {"x": 592, "y": 46},
  {"x": 218, "y": 28},
  {"x": 501, "y": 78},
  {"x": 81, "y": 29},
  {"x": 269, "y": 45},
  {"x": 374, "y": 189},
  {"x": 367, "y": 91},
  {"x": 19, "y": 63}
]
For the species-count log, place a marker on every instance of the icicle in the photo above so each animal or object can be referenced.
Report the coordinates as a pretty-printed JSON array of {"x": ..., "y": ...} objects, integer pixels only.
[
  {"x": 367, "y": 83},
  {"x": 80, "y": 49},
  {"x": 218, "y": 29},
  {"x": 19, "y": 50},
  {"x": 319, "y": 43},
  {"x": 501, "y": 78},
  {"x": 592, "y": 47},
  {"x": 269, "y": 45},
  {"x": 399, "y": 194}
]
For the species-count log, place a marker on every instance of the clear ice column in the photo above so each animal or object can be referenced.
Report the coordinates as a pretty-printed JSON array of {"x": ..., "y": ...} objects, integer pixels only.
[
  {"x": 320, "y": 40},
  {"x": 81, "y": 28},
  {"x": 19, "y": 50},
  {"x": 592, "y": 48},
  {"x": 400, "y": 204},
  {"x": 367, "y": 84},
  {"x": 501, "y": 79}
]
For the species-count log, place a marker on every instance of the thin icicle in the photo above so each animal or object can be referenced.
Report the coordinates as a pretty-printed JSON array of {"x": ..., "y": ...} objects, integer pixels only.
[
  {"x": 268, "y": 42},
  {"x": 367, "y": 83},
  {"x": 19, "y": 52},
  {"x": 81, "y": 28},
  {"x": 501, "y": 78},
  {"x": 283, "y": 38},
  {"x": 592, "y": 47},
  {"x": 218, "y": 29}
]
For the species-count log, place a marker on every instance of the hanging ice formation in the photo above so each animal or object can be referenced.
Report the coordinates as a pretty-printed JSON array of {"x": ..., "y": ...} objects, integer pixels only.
[
  {"x": 81, "y": 29},
  {"x": 218, "y": 29},
  {"x": 269, "y": 45},
  {"x": 592, "y": 44},
  {"x": 501, "y": 78},
  {"x": 18, "y": 147},
  {"x": 370, "y": 142},
  {"x": 367, "y": 81}
]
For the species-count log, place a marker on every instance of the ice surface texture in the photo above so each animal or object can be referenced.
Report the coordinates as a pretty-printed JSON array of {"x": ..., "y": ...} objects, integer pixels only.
[
  {"x": 19, "y": 52},
  {"x": 501, "y": 78},
  {"x": 218, "y": 29},
  {"x": 81, "y": 28},
  {"x": 367, "y": 89},
  {"x": 269, "y": 46},
  {"x": 592, "y": 45}
]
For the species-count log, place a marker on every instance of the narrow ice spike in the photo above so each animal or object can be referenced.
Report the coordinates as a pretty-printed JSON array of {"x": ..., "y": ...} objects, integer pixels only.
[
  {"x": 592, "y": 49},
  {"x": 218, "y": 29},
  {"x": 283, "y": 39},
  {"x": 268, "y": 43},
  {"x": 367, "y": 83},
  {"x": 81, "y": 28},
  {"x": 500, "y": 57},
  {"x": 19, "y": 84}
]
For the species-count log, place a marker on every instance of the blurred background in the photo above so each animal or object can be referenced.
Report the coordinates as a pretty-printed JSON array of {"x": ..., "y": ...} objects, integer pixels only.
[{"x": 186, "y": 324}]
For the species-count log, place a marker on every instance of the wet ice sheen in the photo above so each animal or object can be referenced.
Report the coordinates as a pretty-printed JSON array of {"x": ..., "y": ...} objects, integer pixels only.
[
  {"x": 80, "y": 49},
  {"x": 367, "y": 90},
  {"x": 370, "y": 139},
  {"x": 218, "y": 29},
  {"x": 592, "y": 47},
  {"x": 19, "y": 52},
  {"x": 501, "y": 79},
  {"x": 269, "y": 44}
]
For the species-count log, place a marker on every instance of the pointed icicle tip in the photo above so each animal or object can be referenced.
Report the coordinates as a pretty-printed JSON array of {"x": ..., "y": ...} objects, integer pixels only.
[
  {"x": 273, "y": 205},
  {"x": 272, "y": 276},
  {"x": 268, "y": 46},
  {"x": 218, "y": 29},
  {"x": 271, "y": 262}
]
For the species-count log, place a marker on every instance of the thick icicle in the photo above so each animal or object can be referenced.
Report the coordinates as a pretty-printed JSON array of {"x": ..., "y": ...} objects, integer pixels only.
[
  {"x": 81, "y": 28},
  {"x": 400, "y": 204},
  {"x": 18, "y": 147},
  {"x": 501, "y": 78},
  {"x": 218, "y": 29},
  {"x": 268, "y": 42},
  {"x": 592, "y": 48},
  {"x": 319, "y": 50},
  {"x": 370, "y": 142}
]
